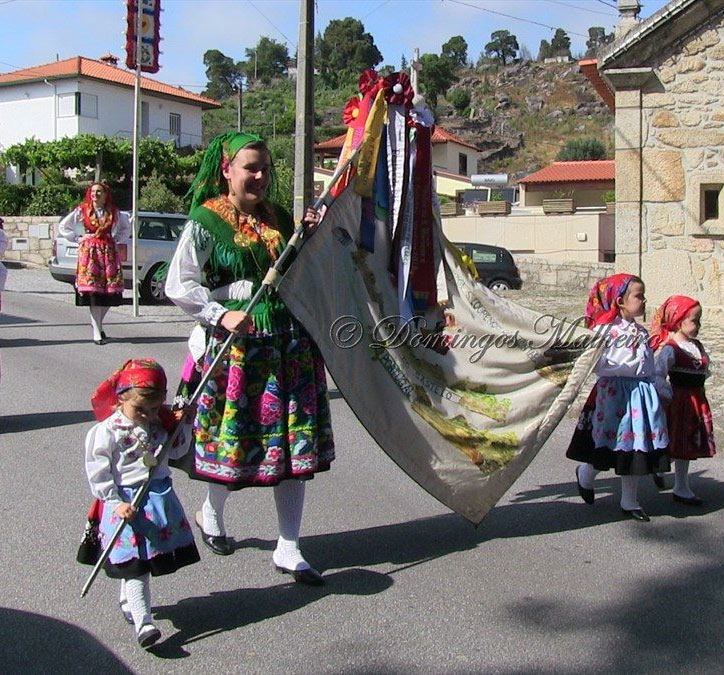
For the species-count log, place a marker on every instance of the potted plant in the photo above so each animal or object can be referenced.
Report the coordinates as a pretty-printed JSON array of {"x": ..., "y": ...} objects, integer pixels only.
[
  {"x": 497, "y": 206},
  {"x": 561, "y": 202},
  {"x": 449, "y": 206},
  {"x": 609, "y": 197}
]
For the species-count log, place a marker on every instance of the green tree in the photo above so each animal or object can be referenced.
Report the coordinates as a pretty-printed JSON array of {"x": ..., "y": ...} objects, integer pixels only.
[
  {"x": 344, "y": 51},
  {"x": 267, "y": 60},
  {"x": 544, "y": 51},
  {"x": 597, "y": 38},
  {"x": 436, "y": 76},
  {"x": 561, "y": 43},
  {"x": 155, "y": 195},
  {"x": 460, "y": 98},
  {"x": 502, "y": 45},
  {"x": 456, "y": 49},
  {"x": 403, "y": 64},
  {"x": 578, "y": 149},
  {"x": 224, "y": 75}
]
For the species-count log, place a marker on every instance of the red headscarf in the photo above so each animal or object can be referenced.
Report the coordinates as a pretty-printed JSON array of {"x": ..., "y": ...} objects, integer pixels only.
[
  {"x": 602, "y": 307},
  {"x": 142, "y": 373},
  {"x": 89, "y": 220},
  {"x": 669, "y": 316}
]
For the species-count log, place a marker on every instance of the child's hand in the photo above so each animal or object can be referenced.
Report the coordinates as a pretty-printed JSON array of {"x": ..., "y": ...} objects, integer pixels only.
[
  {"x": 125, "y": 510},
  {"x": 187, "y": 413}
]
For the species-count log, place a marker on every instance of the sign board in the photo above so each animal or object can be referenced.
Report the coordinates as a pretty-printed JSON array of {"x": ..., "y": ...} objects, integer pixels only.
[{"x": 150, "y": 38}]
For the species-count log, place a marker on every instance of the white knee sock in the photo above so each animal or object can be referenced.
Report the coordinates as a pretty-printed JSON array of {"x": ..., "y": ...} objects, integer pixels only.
[
  {"x": 139, "y": 600},
  {"x": 213, "y": 510},
  {"x": 586, "y": 475},
  {"x": 681, "y": 478},
  {"x": 629, "y": 492},
  {"x": 122, "y": 598},
  {"x": 96, "y": 317},
  {"x": 289, "y": 499}
]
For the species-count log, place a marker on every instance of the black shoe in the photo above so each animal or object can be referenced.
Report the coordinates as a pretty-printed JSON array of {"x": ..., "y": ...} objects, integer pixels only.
[
  {"x": 103, "y": 335},
  {"x": 102, "y": 341},
  {"x": 587, "y": 494},
  {"x": 309, "y": 576},
  {"x": 659, "y": 481},
  {"x": 219, "y": 544},
  {"x": 148, "y": 635},
  {"x": 689, "y": 501},
  {"x": 637, "y": 514}
]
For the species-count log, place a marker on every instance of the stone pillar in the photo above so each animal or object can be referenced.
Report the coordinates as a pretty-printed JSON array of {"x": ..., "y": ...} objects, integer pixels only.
[{"x": 629, "y": 12}]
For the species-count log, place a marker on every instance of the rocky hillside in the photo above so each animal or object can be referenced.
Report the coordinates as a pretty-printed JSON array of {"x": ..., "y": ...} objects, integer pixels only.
[{"x": 521, "y": 115}]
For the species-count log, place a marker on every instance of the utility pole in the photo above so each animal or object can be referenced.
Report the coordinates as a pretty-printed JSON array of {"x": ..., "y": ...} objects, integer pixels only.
[
  {"x": 136, "y": 134},
  {"x": 415, "y": 67},
  {"x": 239, "y": 115},
  {"x": 304, "y": 131}
]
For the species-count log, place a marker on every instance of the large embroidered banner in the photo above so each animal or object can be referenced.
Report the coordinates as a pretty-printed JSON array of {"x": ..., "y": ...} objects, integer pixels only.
[{"x": 459, "y": 386}]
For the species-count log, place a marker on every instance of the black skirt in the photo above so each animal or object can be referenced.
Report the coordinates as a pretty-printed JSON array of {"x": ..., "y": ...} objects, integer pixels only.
[{"x": 98, "y": 299}]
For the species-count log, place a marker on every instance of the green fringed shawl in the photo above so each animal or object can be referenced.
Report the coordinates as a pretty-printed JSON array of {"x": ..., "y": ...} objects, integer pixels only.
[{"x": 231, "y": 262}]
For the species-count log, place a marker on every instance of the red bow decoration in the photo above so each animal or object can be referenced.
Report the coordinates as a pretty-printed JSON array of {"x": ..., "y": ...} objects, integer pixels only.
[
  {"x": 398, "y": 90},
  {"x": 351, "y": 112},
  {"x": 369, "y": 81}
]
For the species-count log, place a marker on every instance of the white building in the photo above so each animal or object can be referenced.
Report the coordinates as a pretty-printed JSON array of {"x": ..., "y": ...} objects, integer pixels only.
[{"x": 85, "y": 96}]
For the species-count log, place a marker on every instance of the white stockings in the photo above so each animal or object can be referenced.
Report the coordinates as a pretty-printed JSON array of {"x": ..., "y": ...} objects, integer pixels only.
[{"x": 97, "y": 314}]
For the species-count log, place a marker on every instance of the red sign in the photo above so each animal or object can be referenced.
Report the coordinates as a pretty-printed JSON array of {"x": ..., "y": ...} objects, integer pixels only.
[{"x": 150, "y": 24}]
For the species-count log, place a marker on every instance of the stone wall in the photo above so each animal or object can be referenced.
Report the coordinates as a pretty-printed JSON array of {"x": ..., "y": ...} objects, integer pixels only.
[
  {"x": 669, "y": 147},
  {"x": 567, "y": 275},
  {"x": 30, "y": 238}
]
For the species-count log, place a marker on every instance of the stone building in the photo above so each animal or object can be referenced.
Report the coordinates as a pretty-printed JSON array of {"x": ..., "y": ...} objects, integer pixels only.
[{"x": 666, "y": 76}]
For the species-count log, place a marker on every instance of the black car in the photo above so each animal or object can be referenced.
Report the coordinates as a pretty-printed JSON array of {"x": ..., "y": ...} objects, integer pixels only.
[{"x": 495, "y": 266}]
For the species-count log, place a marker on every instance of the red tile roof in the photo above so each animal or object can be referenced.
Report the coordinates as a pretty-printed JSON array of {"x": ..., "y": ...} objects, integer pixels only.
[
  {"x": 439, "y": 135},
  {"x": 574, "y": 172},
  {"x": 80, "y": 66}
]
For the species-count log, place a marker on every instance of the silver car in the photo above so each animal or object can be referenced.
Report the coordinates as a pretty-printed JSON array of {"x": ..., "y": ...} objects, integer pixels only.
[{"x": 157, "y": 236}]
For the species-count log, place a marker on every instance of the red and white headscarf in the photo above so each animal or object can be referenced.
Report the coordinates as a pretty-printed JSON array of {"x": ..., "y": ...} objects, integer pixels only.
[
  {"x": 141, "y": 373},
  {"x": 88, "y": 212},
  {"x": 602, "y": 304},
  {"x": 669, "y": 316}
]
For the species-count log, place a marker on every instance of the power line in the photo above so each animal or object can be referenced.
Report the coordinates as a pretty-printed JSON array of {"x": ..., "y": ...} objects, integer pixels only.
[
  {"x": 516, "y": 18},
  {"x": 380, "y": 6},
  {"x": 583, "y": 9},
  {"x": 272, "y": 23},
  {"x": 608, "y": 4}
]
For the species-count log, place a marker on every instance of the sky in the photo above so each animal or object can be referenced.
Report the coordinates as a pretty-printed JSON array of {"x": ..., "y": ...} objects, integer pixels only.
[{"x": 35, "y": 32}]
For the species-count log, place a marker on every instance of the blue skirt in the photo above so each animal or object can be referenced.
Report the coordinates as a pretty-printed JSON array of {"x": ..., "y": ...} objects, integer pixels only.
[
  {"x": 158, "y": 540},
  {"x": 622, "y": 426}
]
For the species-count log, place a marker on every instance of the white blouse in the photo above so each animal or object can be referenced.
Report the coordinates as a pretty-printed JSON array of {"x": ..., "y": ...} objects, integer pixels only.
[
  {"x": 72, "y": 226},
  {"x": 114, "y": 451},
  {"x": 665, "y": 359},
  {"x": 184, "y": 283},
  {"x": 628, "y": 353}
]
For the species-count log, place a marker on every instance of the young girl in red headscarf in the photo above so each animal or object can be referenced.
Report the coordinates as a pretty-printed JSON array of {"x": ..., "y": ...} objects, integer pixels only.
[
  {"x": 120, "y": 451},
  {"x": 623, "y": 425},
  {"x": 97, "y": 225},
  {"x": 682, "y": 366}
]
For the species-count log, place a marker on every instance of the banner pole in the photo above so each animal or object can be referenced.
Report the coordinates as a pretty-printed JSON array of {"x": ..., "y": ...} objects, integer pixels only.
[{"x": 136, "y": 123}]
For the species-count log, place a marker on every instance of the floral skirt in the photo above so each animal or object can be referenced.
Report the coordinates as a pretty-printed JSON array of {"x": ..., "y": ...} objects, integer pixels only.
[
  {"x": 98, "y": 270},
  {"x": 264, "y": 417},
  {"x": 622, "y": 426},
  {"x": 158, "y": 539},
  {"x": 691, "y": 429}
]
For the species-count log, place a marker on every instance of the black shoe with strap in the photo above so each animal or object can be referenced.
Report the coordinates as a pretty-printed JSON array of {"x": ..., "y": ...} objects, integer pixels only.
[
  {"x": 219, "y": 544},
  {"x": 308, "y": 576},
  {"x": 689, "y": 501},
  {"x": 587, "y": 494},
  {"x": 637, "y": 514}
]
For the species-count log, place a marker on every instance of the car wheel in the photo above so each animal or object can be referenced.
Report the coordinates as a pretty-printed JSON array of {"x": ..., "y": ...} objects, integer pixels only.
[
  {"x": 153, "y": 287},
  {"x": 499, "y": 285}
]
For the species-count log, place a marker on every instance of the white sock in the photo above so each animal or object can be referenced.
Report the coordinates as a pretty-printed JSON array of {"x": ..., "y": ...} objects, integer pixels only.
[
  {"x": 213, "y": 510},
  {"x": 123, "y": 599},
  {"x": 681, "y": 478},
  {"x": 96, "y": 317},
  {"x": 629, "y": 490},
  {"x": 289, "y": 499},
  {"x": 139, "y": 600},
  {"x": 586, "y": 475}
]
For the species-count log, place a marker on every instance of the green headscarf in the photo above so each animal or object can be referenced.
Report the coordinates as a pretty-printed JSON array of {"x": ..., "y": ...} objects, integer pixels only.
[{"x": 209, "y": 181}]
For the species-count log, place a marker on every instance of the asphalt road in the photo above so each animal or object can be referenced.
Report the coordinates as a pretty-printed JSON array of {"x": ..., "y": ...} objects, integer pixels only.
[{"x": 545, "y": 584}]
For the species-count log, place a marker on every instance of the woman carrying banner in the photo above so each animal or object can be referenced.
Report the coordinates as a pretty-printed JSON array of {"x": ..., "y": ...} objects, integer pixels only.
[
  {"x": 263, "y": 418},
  {"x": 96, "y": 224}
]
